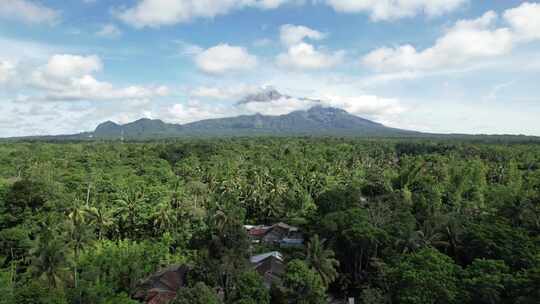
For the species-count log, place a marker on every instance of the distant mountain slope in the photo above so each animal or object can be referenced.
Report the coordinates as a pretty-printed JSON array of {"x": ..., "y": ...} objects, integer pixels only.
[{"x": 317, "y": 121}]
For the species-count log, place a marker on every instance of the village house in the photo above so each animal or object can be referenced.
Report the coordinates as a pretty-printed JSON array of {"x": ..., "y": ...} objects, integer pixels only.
[
  {"x": 161, "y": 287},
  {"x": 280, "y": 234},
  {"x": 270, "y": 266}
]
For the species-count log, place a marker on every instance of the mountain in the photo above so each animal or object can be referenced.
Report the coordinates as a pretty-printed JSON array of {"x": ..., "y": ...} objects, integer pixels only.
[
  {"x": 142, "y": 128},
  {"x": 270, "y": 94},
  {"x": 265, "y": 95},
  {"x": 317, "y": 121}
]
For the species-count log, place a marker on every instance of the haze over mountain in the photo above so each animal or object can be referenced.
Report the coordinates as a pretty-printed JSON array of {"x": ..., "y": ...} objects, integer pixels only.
[{"x": 316, "y": 121}]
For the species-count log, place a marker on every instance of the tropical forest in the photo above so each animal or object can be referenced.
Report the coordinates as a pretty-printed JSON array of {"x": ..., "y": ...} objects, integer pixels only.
[{"x": 270, "y": 220}]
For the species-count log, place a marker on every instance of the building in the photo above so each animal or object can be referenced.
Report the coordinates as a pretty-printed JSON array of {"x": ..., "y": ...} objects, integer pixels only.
[
  {"x": 270, "y": 266},
  {"x": 161, "y": 287},
  {"x": 279, "y": 234}
]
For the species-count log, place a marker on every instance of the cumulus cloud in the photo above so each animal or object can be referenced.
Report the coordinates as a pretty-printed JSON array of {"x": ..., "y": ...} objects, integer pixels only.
[
  {"x": 301, "y": 55},
  {"x": 525, "y": 20},
  {"x": 7, "y": 71},
  {"x": 156, "y": 13},
  {"x": 396, "y": 9},
  {"x": 69, "y": 77},
  {"x": 28, "y": 11},
  {"x": 306, "y": 56},
  {"x": 230, "y": 93},
  {"x": 365, "y": 105},
  {"x": 109, "y": 31},
  {"x": 281, "y": 106},
  {"x": 66, "y": 65},
  {"x": 292, "y": 34},
  {"x": 224, "y": 58},
  {"x": 195, "y": 110},
  {"x": 467, "y": 40}
]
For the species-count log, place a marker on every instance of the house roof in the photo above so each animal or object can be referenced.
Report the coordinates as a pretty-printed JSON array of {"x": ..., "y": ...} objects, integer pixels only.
[
  {"x": 286, "y": 226},
  {"x": 261, "y": 257},
  {"x": 161, "y": 287},
  {"x": 292, "y": 241}
]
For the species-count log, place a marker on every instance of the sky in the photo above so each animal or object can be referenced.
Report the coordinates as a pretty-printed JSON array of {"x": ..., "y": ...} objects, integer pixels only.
[{"x": 446, "y": 66}]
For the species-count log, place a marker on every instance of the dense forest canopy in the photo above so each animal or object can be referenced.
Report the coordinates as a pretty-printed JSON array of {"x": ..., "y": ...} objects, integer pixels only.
[{"x": 385, "y": 221}]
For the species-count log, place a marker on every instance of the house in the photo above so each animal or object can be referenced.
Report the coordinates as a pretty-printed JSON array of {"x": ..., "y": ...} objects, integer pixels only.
[
  {"x": 256, "y": 233},
  {"x": 270, "y": 266},
  {"x": 291, "y": 242},
  {"x": 161, "y": 287},
  {"x": 278, "y": 234}
]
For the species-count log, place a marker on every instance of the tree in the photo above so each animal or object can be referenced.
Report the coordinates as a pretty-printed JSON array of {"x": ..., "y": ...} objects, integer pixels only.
[
  {"x": 49, "y": 256},
  {"x": 101, "y": 218},
  {"x": 250, "y": 289},
  {"x": 303, "y": 285},
  {"x": 485, "y": 281},
  {"x": 321, "y": 260},
  {"x": 79, "y": 236},
  {"x": 527, "y": 288},
  {"x": 126, "y": 211},
  {"x": 425, "y": 277},
  {"x": 198, "y": 294}
]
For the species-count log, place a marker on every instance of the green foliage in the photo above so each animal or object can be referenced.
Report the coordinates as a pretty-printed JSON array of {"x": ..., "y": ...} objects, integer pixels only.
[
  {"x": 412, "y": 221},
  {"x": 425, "y": 277},
  {"x": 120, "y": 264},
  {"x": 198, "y": 294},
  {"x": 321, "y": 260},
  {"x": 250, "y": 289},
  {"x": 485, "y": 281},
  {"x": 303, "y": 285}
]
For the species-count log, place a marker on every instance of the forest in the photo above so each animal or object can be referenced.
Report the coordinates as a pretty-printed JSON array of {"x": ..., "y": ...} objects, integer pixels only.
[{"x": 382, "y": 220}]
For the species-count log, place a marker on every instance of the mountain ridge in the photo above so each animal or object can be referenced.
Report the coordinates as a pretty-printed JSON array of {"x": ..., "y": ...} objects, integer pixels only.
[{"x": 317, "y": 121}]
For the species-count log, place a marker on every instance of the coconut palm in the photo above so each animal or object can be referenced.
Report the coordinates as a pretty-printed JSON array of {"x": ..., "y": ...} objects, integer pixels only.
[
  {"x": 100, "y": 218},
  {"x": 126, "y": 210},
  {"x": 49, "y": 257},
  {"x": 322, "y": 260},
  {"x": 164, "y": 217}
]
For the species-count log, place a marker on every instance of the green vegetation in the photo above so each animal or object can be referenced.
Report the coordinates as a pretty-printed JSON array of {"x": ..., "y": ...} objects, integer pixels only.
[{"x": 385, "y": 221}]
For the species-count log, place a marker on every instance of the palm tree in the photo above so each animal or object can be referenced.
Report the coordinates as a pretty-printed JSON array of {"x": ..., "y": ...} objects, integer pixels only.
[
  {"x": 164, "y": 217},
  {"x": 101, "y": 218},
  {"x": 127, "y": 210},
  {"x": 322, "y": 260},
  {"x": 79, "y": 234},
  {"x": 49, "y": 257}
]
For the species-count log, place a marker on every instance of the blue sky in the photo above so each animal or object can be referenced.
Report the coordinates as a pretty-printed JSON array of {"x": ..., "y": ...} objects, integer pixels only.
[{"x": 462, "y": 66}]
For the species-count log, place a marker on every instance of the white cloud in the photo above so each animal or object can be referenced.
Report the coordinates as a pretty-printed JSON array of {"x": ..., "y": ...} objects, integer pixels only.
[
  {"x": 465, "y": 41},
  {"x": 195, "y": 110},
  {"x": 224, "y": 58},
  {"x": 109, "y": 31},
  {"x": 301, "y": 55},
  {"x": 395, "y": 9},
  {"x": 280, "y": 106},
  {"x": 28, "y": 11},
  {"x": 306, "y": 56},
  {"x": 156, "y": 13},
  {"x": 365, "y": 105},
  {"x": 230, "y": 93},
  {"x": 65, "y": 66},
  {"x": 7, "y": 71},
  {"x": 369, "y": 106},
  {"x": 88, "y": 88},
  {"x": 525, "y": 21},
  {"x": 69, "y": 77},
  {"x": 293, "y": 34}
]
